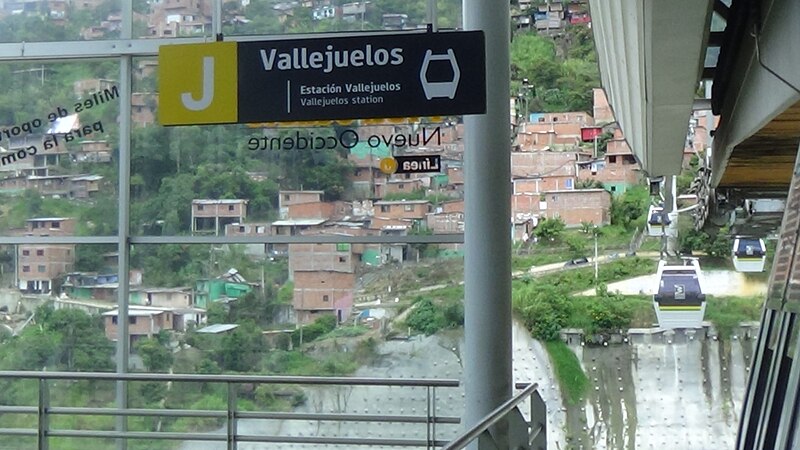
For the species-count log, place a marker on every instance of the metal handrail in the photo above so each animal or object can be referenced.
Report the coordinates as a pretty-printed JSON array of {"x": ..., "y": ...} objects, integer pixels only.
[
  {"x": 43, "y": 431},
  {"x": 498, "y": 414}
]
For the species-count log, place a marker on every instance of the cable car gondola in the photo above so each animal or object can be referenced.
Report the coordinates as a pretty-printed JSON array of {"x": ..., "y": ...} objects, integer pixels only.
[
  {"x": 680, "y": 301},
  {"x": 749, "y": 254},
  {"x": 656, "y": 221}
]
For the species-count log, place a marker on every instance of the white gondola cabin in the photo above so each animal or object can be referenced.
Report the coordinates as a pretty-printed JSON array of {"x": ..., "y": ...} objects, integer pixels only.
[
  {"x": 749, "y": 254},
  {"x": 657, "y": 221},
  {"x": 679, "y": 300}
]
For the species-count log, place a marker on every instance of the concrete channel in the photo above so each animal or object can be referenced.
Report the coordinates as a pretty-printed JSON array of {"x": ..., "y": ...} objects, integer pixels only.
[{"x": 660, "y": 389}]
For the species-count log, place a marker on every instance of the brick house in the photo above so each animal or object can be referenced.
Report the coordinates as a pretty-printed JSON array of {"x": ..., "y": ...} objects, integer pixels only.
[
  {"x": 143, "y": 105},
  {"x": 400, "y": 185},
  {"x": 289, "y": 198},
  {"x": 540, "y": 171},
  {"x": 618, "y": 169},
  {"x": 448, "y": 217},
  {"x": 248, "y": 229},
  {"x": 211, "y": 216},
  {"x": 180, "y": 18},
  {"x": 38, "y": 266},
  {"x": 143, "y": 322},
  {"x": 574, "y": 207},
  {"x": 324, "y": 280},
  {"x": 406, "y": 213},
  {"x": 93, "y": 151}
]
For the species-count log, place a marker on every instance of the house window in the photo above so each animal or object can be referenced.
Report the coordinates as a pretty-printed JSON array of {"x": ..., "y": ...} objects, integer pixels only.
[
  {"x": 132, "y": 320},
  {"x": 26, "y": 253},
  {"x": 114, "y": 320},
  {"x": 26, "y": 268},
  {"x": 401, "y": 186},
  {"x": 385, "y": 208},
  {"x": 568, "y": 183},
  {"x": 41, "y": 268},
  {"x": 325, "y": 298},
  {"x": 612, "y": 159},
  {"x": 408, "y": 208},
  {"x": 39, "y": 252},
  {"x": 55, "y": 225},
  {"x": 613, "y": 189},
  {"x": 343, "y": 259},
  {"x": 287, "y": 197},
  {"x": 241, "y": 229},
  {"x": 199, "y": 207},
  {"x": 230, "y": 207}
]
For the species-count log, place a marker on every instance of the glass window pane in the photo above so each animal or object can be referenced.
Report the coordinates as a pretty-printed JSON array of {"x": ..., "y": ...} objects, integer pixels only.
[
  {"x": 58, "y": 142},
  {"x": 79, "y": 20}
]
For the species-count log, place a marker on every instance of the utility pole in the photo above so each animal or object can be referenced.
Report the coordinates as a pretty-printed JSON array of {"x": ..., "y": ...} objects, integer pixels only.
[{"x": 596, "y": 269}]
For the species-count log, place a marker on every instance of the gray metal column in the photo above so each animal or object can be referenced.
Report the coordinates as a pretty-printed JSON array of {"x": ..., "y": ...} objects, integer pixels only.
[
  {"x": 123, "y": 219},
  {"x": 487, "y": 237}
]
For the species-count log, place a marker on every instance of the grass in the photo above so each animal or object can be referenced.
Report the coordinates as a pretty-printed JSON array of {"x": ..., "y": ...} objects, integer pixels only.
[
  {"x": 640, "y": 306},
  {"x": 571, "y": 379},
  {"x": 726, "y": 313}
]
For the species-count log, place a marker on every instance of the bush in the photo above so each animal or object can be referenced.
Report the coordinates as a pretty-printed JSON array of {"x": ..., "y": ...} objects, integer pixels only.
[
  {"x": 322, "y": 326},
  {"x": 544, "y": 310},
  {"x": 608, "y": 312},
  {"x": 425, "y": 317},
  {"x": 453, "y": 314}
]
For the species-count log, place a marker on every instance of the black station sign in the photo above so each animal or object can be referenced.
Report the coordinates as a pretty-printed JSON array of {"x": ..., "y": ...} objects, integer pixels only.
[
  {"x": 354, "y": 77},
  {"x": 392, "y": 75},
  {"x": 418, "y": 164}
]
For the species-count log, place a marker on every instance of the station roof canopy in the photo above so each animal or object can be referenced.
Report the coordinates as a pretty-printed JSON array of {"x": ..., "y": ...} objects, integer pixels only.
[{"x": 653, "y": 54}]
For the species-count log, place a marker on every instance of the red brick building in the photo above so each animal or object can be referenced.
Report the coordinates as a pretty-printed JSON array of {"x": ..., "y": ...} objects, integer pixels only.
[{"x": 38, "y": 266}]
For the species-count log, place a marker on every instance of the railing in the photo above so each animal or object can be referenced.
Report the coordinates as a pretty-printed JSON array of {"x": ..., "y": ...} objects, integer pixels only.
[
  {"x": 520, "y": 433},
  {"x": 426, "y": 435}
]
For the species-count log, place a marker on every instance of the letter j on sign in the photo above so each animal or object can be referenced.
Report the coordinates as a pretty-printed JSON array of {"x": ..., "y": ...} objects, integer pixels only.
[{"x": 198, "y": 83}]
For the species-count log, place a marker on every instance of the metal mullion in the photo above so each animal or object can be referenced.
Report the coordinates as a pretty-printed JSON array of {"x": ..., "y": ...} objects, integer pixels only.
[
  {"x": 787, "y": 427},
  {"x": 231, "y": 427},
  {"x": 784, "y": 324},
  {"x": 123, "y": 221},
  {"x": 110, "y": 48},
  {"x": 43, "y": 419},
  {"x": 306, "y": 239},
  {"x": 759, "y": 370}
]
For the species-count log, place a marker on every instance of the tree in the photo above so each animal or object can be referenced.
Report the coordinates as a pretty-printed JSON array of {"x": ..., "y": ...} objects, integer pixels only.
[
  {"x": 631, "y": 206},
  {"x": 155, "y": 356},
  {"x": 241, "y": 349},
  {"x": 425, "y": 317},
  {"x": 83, "y": 345},
  {"x": 549, "y": 229}
]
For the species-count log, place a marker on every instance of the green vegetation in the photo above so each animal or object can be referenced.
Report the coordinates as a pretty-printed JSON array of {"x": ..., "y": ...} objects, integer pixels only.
[
  {"x": 428, "y": 318},
  {"x": 562, "y": 72},
  {"x": 571, "y": 379},
  {"x": 547, "y": 304},
  {"x": 726, "y": 313}
]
